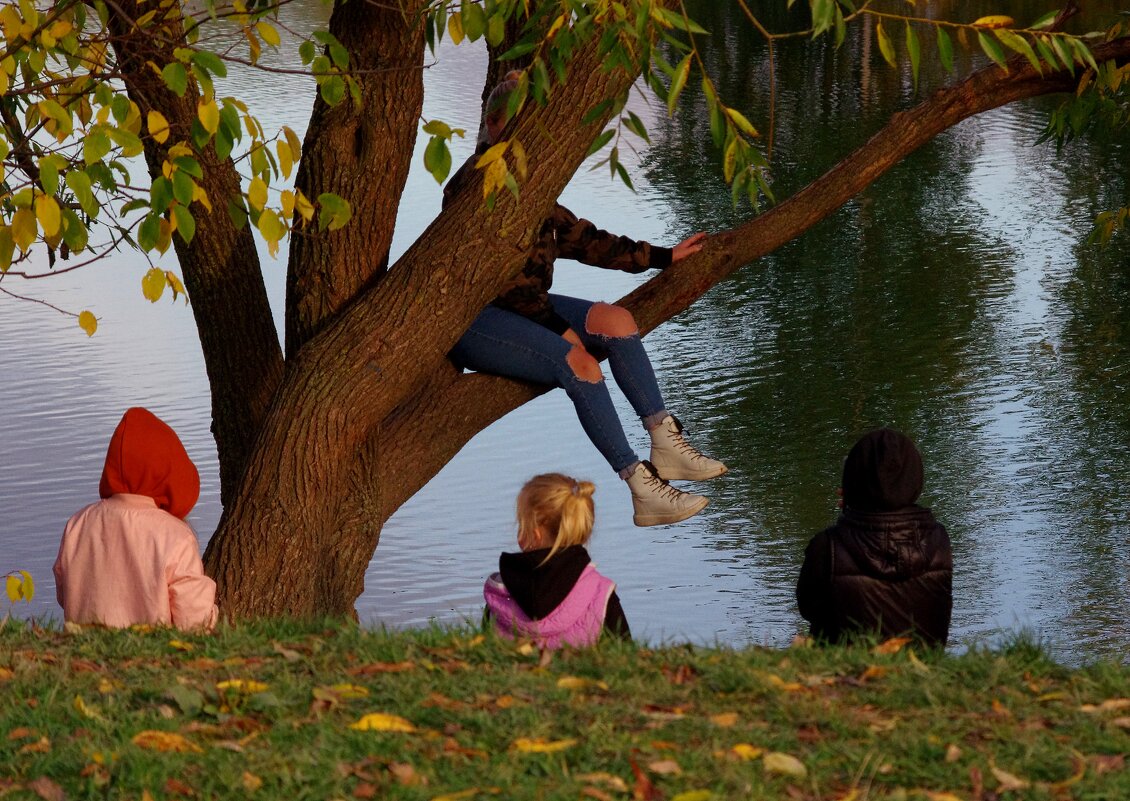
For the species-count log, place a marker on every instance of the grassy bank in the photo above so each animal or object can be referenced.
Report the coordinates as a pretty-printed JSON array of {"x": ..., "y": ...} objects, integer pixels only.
[{"x": 299, "y": 711}]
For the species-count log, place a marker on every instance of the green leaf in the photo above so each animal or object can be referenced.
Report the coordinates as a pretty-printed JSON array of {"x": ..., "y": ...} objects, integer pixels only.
[
  {"x": 885, "y": 46},
  {"x": 597, "y": 112},
  {"x": 678, "y": 82},
  {"x": 945, "y": 49},
  {"x": 1047, "y": 53},
  {"x": 183, "y": 187},
  {"x": 474, "y": 20},
  {"x": 1046, "y": 20},
  {"x": 634, "y": 124},
  {"x": 79, "y": 183},
  {"x": 188, "y": 164},
  {"x": 1083, "y": 54},
  {"x": 519, "y": 50},
  {"x": 1020, "y": 45},
  {"x": 186, "y": 225},
  {"x": 74, "y": 231},
  {"x": 160, "y": 194},
  {"x": 496, "y": 30},
  {"x": 437, "y": 158},
  {"x": 914, "y": 50},
  {"x": 148, "y": 232},
  {"x": 333, "y": 90},
  {"x": 992, "y": 49},
  {"x": 95, "y": 146},
  {"x": 307, "y": 50},
  {"x": 339, "y": 55},
  {"x": 602, "y": 140},
  {"x": 175, "y": 77},
  {"x": 210, "y": 62},
  {"x": 335, "y": 212},
  {"x": 1064, "y": 54},
  {"x": 438, "y": 128}
]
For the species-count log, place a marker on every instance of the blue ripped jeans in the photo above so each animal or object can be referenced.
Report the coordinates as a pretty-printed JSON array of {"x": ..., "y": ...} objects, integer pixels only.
[{"x": 508, "y": 344}]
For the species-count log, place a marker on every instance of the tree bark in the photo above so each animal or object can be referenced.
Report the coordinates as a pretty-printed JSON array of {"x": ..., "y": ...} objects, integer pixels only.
[{"x": 221, "y": 265}]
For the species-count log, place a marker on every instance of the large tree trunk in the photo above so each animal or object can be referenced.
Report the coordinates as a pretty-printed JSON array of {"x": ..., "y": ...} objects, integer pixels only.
[{"x": 370, "y": 409}]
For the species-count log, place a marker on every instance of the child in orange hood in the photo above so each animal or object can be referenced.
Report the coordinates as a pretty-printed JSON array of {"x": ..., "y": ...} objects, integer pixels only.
[{"x": 130, "y": 557}]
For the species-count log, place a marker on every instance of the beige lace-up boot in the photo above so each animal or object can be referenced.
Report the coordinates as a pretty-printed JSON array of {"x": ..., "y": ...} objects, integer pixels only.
[
  {"x": 676, "y": 459},
  {"x": 656, "y": 502}
]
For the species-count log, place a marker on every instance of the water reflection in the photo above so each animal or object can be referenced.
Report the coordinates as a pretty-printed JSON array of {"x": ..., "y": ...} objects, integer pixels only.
[{"x": 952, "y": 299}]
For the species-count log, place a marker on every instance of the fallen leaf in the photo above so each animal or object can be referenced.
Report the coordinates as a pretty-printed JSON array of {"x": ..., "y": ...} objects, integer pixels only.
[
  {"x": 873, "y": 672},
  {"x": 1107, "y": 763},
  {"x": 458, "y": 796},
  {"x": 242, "y": 686},
  {"x": 916, "y": 663},
  {"x": 177, "y": 787},
  {"x": 891, "y": 646},
  {"x": 1109, "y": 705},
  {"x": 40, "y": 746},
  {"x": 665, "y": 767},
  {"x": 365, "y": 790},
  {"x": 607, "y": 779},
  {"x": 644, "y": 789},
  {"x": 724, "y": 719},
  {"x": 6, "y": 673},
  {"x": 452, "y": 746},
  {"x": 379, "y": 721},
  {"x": 405, "y": 774},
  {"x": 505, "y": 701},
  {"x": 746, "y": 752},
  {"x": 777, "y": 762},
  {"x": 86, "y": 711},
  {"x": 165, "y": 741},
  {"x": 593, "y": 792},
  {"x": 953, "y": 753},
  {"x": 22, "y": 733},
  {"x": 787, "y": 686},
  {"x": 538, "y": 745},
  {"x": 932, "y": 796},
  {"x": 1000, "y": 710},
  {"x": 578, "y": 683},
  {"x": 251, "y": 782},
  {"x": 46, "y": 789},
  {"x": 350, "y": 691},
  {"x": 694, "y": 795},
  {"x": 181, "y": 645},
  {"x": 1122, "y": 723},
  {"x": 1008, "y": 780},
  {"x": 289, "y": 654}
]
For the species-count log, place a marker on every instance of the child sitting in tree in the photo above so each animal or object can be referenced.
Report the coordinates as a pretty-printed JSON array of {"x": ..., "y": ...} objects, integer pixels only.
[
  {"x": 130, "y": 557},
  {"x": 886, "y": 566},
  {"x": 550, "y": 591}
]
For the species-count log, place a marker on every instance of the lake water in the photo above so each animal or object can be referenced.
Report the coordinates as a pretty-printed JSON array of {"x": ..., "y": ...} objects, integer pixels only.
[{"x": 954, "y": 299}]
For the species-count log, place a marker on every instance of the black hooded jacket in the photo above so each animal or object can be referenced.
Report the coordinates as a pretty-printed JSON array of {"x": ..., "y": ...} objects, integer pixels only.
[{"x": 886, "y": 566}]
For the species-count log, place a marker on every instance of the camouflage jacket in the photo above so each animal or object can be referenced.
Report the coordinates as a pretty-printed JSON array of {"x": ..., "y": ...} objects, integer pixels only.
[{"x": 566, "y": 235}]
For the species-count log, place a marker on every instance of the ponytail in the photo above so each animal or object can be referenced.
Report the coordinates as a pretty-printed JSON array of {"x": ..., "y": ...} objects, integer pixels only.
[{"x": 560, "y": 506}]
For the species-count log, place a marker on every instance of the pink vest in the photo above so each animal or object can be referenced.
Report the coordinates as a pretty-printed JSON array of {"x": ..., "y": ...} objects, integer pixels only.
[{"x": 577, "y": 621}]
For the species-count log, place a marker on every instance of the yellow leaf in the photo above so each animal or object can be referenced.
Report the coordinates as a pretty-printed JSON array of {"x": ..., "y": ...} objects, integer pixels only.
[
  {"x": 350, "y": 691},
  {"x": 495, "y": 153},
  {"x": 165, "y": 741},
  {"x": 777, "y": 762},
  {"x": 244, "y": 686},
  {"x": 48, "y": 213},
  {"x": 198, "y": 194},
  {"x": 294, "y": 142},
  {"x": 578, "y": 683},
  {"x": 286, "y": 160},
  {"x": 209, "y": 115},
  {"x": 88, "y": 323},
  {"x": 455, "y": 28},
  {"x": 495, "y": 177},
  {"x": 84, "y": 710},
  {"x": 153, "y": 284},
  {"x": 15, "y": 589},
  {"x": 694, "y": 795},
  {"x": 1009, "y": 781},
  {"x": 181, "y": 645},
  {"x": 303, "y": 206},
  {"x": 251, "y": 782},
  {"x": 286, "y": 198},
  {"x": 781, "y": 684},
  {"x": 257, "y": 193},
  {"x": 994, "y": 21},
  {"x": 1109, "y": 705},
  {"x": 158, "y": 126},
  {"x": 942, "y": 796},
  {"x": 873, "y": 672},
  {"x": 521, "y": 165},
  {"x": 746, "y": 752},
  {"x": 891, "y": 646},
  {"x": 538, "y": 745},
  {"x": 724, "y": 719},
  {"x": 24, "y": 229},
  {"x": 268, "y": 32},
  {"x": 379, "y": 721},
  {"x": 6, "y": 674}
]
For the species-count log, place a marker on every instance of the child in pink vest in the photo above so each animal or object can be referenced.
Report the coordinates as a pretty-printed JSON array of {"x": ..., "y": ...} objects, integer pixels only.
[
  {"x": 130, "y": 558},
  {"x": 550, "y": 591}
]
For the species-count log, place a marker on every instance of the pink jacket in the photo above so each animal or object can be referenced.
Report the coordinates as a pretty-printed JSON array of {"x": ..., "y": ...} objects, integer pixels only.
[
  {"x": 577, "y": 621},
  {"x": 129, "y": 558}
]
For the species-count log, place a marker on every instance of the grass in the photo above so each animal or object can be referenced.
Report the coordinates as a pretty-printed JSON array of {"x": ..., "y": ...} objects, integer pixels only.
[{"x": 269, "y": 710}]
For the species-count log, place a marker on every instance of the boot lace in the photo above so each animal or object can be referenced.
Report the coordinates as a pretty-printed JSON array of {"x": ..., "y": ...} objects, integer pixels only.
[
  {"x": 681, "y": 444},
  {"x": 659, "y": 485}
]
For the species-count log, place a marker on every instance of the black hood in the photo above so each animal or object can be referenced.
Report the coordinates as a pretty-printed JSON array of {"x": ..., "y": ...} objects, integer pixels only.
[
  {"x": 540, "y": 588},
  {"x": 882, "y": 472}
]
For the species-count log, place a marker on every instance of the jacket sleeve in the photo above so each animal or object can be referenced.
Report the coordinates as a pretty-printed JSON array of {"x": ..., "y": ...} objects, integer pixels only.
[
  {"x": 812, "y": 589},
  {"x": 581, "y": 240},
  {"x": 192, "y": 595},
  {"x": 615, "y": 622}
]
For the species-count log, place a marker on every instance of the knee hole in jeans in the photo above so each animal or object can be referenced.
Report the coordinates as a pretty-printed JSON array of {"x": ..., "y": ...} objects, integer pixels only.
[
  {"x": 584, "y": 366},
  {"x": 607, "y": 319}
]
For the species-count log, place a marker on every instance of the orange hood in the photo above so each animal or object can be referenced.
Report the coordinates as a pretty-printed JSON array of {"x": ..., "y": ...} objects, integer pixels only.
[{"x": 146, "y": 457}]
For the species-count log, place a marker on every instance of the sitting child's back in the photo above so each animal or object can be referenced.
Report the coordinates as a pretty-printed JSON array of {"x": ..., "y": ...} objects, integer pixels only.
[
  {"x": 550, "y": 591},
  {"x": 130, "y": 558}
]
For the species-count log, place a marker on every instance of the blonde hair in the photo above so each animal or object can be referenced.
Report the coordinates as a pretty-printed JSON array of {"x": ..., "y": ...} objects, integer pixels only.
[{"x": 560, "y": 506}]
